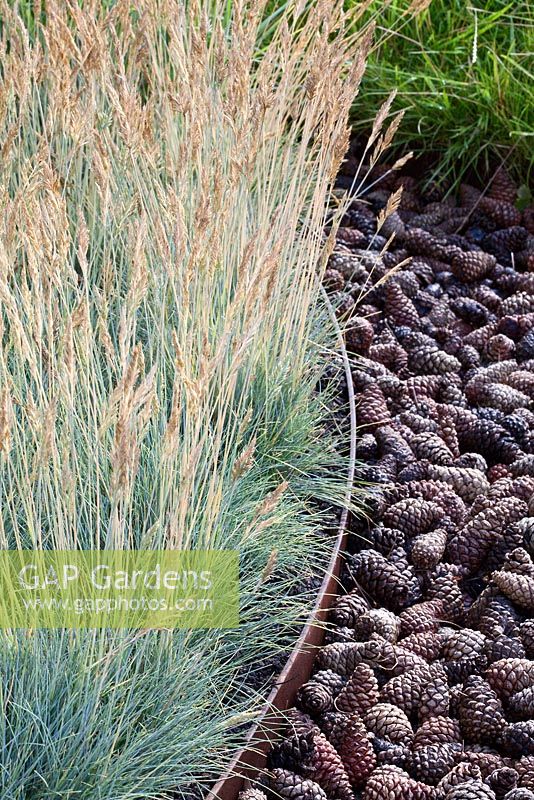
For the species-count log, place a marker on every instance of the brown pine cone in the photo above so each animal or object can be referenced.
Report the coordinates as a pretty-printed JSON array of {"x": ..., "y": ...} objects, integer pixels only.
[
  {"x": 428, "y": 548},
  {"x": 426, "y": 645},
  {"x": 348, "y": 608},
  {"x": 521, "y": 705},
  {"x": 437, "y": 730},
  {"x": 526, "y": 632},
  {"x": 392, "y": 783},
  {"x": 502, "y": 187},
  {"x": 466, "y": 482},
  {"x": 519, "y": 588},
  {"x": 471, "y": 790},
  {"x": 429, "y": 360},
  {"x": 502, "y": 646},
  {"x": 331, "y": 680},
  {"x": 421, "y": 691},
  {"x": 360, "y": 692},
  {"x": 431, "y": 447},
  {"x": 333, "y": 280},
  {"x": 422, "y": 617},
  {"x": 332, "y": 724},
  {"x": 463, "y": 644},
  {"x": 511, "y": 675},
  {"x": 518, "y": 303},
  {"x": 432, "y": 762},
  {"x": 379, "y": 578},
  {"x": 518, "y": 738},
  {"x": 519, "y": 794},
  {"x": 399, "y": 309},
  {"x": 324, "y": 766},
  {"x": 294, "y": 749},
  {"x": 486, "y": 759},
  {"x": 473, "y": 542},
  {"x": 443, "y": 584},
  {"x": 480, "y": 712},
  {"x": 412, "y": 516},
  {"x": 344, "y": 657},
  {"x": 356, "y": 751},
  {"x": 502, "y": 780},
  {"x": 372, "y": 408},
  {"x": 525, "y": 769},
  {"x": 387, "y": 753},
  {"x": 499, "y": 348},
  {"x": 386, "y": 539},
  {"x": 389, "y": 722},
  {"x": 351, "y": 237},
  {"x": 252, "y": 793},
  {"x": 460, "y": 774},
  {"x": 289, "y": 786},
  {"x": 314, "y": 698},
  {"x": 503, "y": 214},
  {"x": 472, "y": 266},
  {"x": 380, "y": 621},
  {"x": 358, "y": 335}
]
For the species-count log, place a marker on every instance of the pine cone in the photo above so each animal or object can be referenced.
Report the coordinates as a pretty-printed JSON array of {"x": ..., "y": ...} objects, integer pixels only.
[
  {"x": 519, "y": 588},
  {"x": 331, "y": 680},
  {"x": 422, "y": 617},
  {"x": 471, "y": 790},
  {"x": 480, "y": 712},
  {"x": 521, "y": 705},
  {"x": 431, "y": 447},
  {"x": 360, "y": 693},
  {"x": 526, "y": 632},
  {"x": 332, "y": 724},
  {"x": 503, "y": 646},
  {"x": 358, "y": 335},
  {"x": 518, "y": 738},
  {"x": 380, "y": 579},
  {"x": 503, "y": 214},
  {"x": 463, "y": 644},
  {"x": 348, "y": 608},
  {"x": 399, "y": 309},
  {"x": 502, "y": 187},
  {"x": 421, "y": 691},
  {"x": 324, "y": 766},
  {"x": 426, "y": 645},
  {"x": 379, "y": 621},
  {"x": 466, "y": 482},
  {"x": 389, "y": 722},
  {"x": 473, "y": 542},
  {"x": 394, "y": 784},
  {"x": 333, "y": 280},
  {"x": 386, "y": 539},
  {"x": 428, "y": 548},
  {"x": 502, "y": 780},
  {"x": 293, "y": 750},
  {"x": 372, "y": 408},
  {"x": 432, "y": 762},
  {"x": 437, "y": 730},
  {"x": 314, "y": 698},
  {"x": 519, "y": 794},
  {"x": 472, "y": 266},
  {"x": 344, "y": 657},
  {"x": 356, "y": 751},
  {"x": 289, "y": 786},
  {"x": 460, "y": 774},
  {"x": 412, "y": 516},
  {"x": 429, "y": 360},
  {"x": 252, "y": 793},
  {"x": 511, "y": 675}
]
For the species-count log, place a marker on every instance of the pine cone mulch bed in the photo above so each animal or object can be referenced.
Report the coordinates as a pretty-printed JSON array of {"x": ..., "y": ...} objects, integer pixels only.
[{"x": 425, "y": 688}]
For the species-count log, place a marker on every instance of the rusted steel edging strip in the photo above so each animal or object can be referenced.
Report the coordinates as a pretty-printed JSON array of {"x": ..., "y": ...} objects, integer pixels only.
[{"x": 253, "y": 755}]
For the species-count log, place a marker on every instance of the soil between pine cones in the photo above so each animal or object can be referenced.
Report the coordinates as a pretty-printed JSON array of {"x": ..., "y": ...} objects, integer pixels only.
[{"x": 425, "y": 688}]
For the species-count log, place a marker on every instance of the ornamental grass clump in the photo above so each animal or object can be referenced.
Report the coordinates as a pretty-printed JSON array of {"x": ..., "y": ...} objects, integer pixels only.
[{"x": 163, "y": 175}]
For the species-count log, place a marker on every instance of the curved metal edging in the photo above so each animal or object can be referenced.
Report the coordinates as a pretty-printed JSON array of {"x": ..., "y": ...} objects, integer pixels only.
[{"x": 253, "y": 755}]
